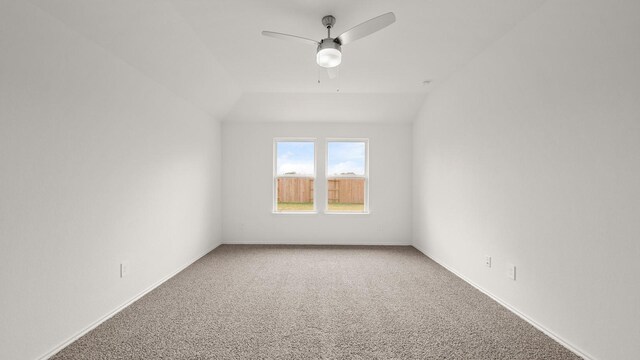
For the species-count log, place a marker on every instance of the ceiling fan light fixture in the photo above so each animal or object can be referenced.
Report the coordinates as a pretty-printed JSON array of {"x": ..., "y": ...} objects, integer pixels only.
[
  {"x": 329, "y": 54},
  {"x": 329, "y": 58}
]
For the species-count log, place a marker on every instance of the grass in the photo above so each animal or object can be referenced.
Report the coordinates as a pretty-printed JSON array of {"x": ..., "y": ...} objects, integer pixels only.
[
  {"x": 284, "y": 206},
  {"x": 339, "y": 207},
  {"x": 346, "y": 207}
]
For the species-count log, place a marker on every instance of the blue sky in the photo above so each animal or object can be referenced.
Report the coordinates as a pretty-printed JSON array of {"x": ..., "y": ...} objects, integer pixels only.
[
  {"x": 297, "y": 157},
  {"x": 346, "y": 157}
]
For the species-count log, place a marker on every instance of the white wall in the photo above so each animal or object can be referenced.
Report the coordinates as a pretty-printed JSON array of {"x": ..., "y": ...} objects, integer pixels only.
[
  {"x": 247, "y": 200},
  {"x": 98, "y": 164},
  {"x": 531, "y": 154},
  {"x": 344, "y": 107}
]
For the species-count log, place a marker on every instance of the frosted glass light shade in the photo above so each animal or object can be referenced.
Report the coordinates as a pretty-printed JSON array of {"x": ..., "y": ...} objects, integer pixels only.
[{"x": 329, "y": 57}]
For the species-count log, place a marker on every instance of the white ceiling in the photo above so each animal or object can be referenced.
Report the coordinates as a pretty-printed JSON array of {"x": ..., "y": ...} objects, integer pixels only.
[{"x": 212, "y": 54}]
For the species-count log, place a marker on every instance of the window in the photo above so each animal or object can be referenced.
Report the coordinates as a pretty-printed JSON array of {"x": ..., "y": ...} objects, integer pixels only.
[
  {"x": 294, "y": 176},
  {"x": 347, "y": 176}
]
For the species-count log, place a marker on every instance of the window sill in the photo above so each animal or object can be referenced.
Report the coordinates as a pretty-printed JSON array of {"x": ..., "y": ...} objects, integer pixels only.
[
  {"x": 294, "y": 212},
  {"x": 347, "y": 213}
]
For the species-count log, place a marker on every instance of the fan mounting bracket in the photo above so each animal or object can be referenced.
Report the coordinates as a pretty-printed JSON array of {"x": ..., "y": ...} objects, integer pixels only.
[{"x": 328, "y": 21}]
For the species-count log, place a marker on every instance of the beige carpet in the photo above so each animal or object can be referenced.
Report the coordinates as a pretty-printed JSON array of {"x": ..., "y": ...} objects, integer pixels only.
[{"x": 310, "y": 302}]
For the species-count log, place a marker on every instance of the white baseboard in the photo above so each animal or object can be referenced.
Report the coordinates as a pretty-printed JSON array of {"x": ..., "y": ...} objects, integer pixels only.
[
  {"x": 524, "y": 317},
  {"x": 121, "y": 307},
  {"x": 318, "y": 243}
]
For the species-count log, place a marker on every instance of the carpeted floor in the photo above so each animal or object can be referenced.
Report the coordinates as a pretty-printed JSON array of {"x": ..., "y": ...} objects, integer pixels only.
[{"x": 310, "y": 302}]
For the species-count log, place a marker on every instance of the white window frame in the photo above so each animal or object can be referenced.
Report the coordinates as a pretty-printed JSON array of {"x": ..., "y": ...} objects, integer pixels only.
[
  {"x": 276, "y": 176},
  {"x": 328, "y": 177}
]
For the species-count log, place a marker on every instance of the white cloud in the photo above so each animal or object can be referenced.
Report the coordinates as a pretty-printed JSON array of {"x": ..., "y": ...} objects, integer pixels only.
[
  {"x": 298, "y": 168},
  {"x": 346, "y": 167}
]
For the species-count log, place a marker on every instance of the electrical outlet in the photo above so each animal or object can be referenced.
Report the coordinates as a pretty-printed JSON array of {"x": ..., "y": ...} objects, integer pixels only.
[
  {"x": 487, "y": 261},
  {"x": 511, "y": 271},
  {"x": 124, "y": 269}
]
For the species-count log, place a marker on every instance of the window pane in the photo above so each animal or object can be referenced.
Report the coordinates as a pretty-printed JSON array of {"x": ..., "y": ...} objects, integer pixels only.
[
  {"x": 347, "y": 161},
  {"x": 346, "y": 158},
  {"x": 295, "y": 161},
  {"x": 295, "y": 158},
  {"x": 346, "y": 195},
  {"x": 295, "y": 194}
]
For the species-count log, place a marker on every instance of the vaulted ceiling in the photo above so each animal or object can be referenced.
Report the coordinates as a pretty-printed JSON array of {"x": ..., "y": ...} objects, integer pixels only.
[{"x": 211, "y": 52}]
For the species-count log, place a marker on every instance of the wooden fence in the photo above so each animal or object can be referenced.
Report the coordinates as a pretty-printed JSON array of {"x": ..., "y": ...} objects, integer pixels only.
[
  {"x": 346, "y": 191},
  {"x": 300, "y": 190},
  {"x": 295, "y": 190}
]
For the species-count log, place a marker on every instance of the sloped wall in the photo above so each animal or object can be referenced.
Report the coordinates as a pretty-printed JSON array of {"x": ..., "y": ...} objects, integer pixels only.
[
  {"x": 98, "y": 165},
  {"x": 531, "y": 154}
]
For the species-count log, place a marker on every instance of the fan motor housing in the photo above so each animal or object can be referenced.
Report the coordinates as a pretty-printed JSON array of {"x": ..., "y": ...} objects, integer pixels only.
[{"x": 329, "y": 43}]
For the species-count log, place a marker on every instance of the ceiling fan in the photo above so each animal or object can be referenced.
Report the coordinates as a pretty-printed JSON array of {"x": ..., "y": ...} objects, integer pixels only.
[{"x": 329, "y": 50}]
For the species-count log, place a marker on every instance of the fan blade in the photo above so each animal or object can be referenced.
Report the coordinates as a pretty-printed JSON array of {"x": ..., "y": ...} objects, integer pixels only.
[
  {"x": 366, "y": 28},
  {"x": 289, "y": 37}
]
